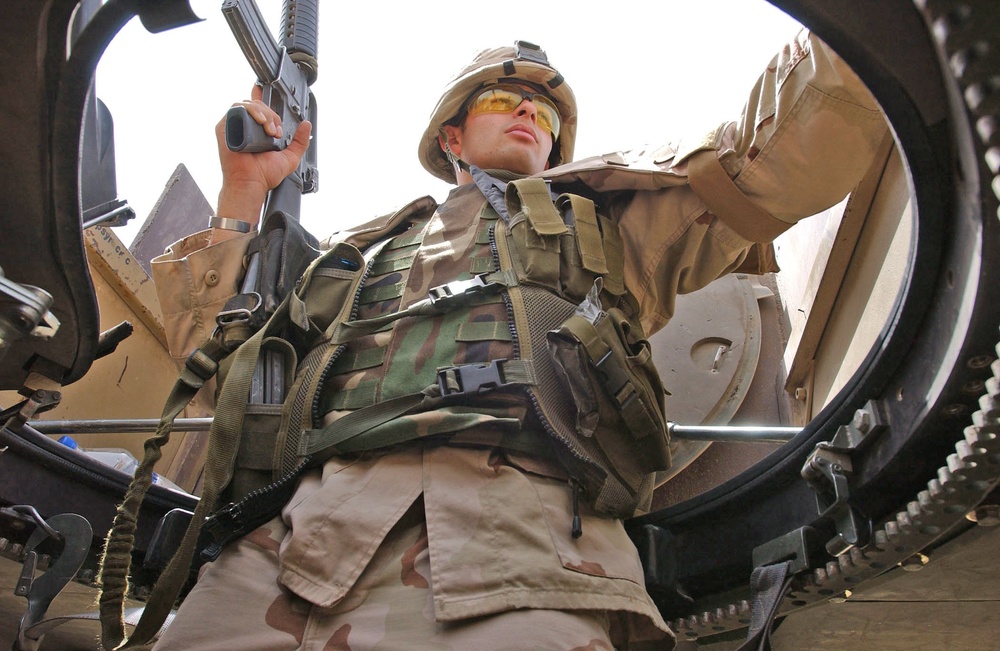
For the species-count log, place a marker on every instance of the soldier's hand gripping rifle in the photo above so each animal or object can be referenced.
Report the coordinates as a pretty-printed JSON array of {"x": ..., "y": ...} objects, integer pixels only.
[{"x": 285, "y": 72}]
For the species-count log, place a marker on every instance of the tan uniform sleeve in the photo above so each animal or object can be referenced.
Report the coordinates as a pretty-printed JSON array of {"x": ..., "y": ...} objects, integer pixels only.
[
  {"x": 807, "y": 135},
  {"x": 193, "y": 282}
]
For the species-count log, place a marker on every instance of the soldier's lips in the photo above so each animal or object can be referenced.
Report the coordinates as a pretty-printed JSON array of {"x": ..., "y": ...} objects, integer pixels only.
[{"x": 521, "y": 131}]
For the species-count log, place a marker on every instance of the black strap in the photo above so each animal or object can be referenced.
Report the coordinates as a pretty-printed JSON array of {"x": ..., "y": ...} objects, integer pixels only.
[{"x": 769, "y": 584}]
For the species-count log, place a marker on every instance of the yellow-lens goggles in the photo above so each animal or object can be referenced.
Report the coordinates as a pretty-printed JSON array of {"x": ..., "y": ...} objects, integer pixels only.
[{"x": 505, "y": 98}]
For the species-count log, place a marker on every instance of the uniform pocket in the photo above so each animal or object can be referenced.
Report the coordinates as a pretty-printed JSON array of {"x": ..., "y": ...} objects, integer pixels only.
[
  {"x": 604, "y": 548},
  {"x": 582, "y": 256},
  {"x": 324, "y": 290}
]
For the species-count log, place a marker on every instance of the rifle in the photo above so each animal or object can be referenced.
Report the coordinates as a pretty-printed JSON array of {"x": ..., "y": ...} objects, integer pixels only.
[{"x": 285, "y": 72}]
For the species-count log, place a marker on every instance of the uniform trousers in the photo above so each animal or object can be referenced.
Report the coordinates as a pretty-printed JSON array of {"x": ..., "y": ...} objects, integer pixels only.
[{"x": 390, "y": 607}]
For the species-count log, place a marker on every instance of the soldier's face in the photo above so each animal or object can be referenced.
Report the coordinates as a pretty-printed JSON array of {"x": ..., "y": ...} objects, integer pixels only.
[{"x": 510, "y": 141}]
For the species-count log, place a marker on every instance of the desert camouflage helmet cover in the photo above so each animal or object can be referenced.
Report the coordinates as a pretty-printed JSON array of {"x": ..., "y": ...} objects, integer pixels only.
[{"x": 524, "y": 61}]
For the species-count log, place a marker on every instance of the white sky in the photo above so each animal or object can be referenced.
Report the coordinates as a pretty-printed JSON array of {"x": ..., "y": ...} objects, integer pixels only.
[{"x": 643, "y": 71}]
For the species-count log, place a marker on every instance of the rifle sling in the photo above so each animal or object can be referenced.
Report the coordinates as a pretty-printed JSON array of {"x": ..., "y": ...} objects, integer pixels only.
[{"x": 223, "y": 441}]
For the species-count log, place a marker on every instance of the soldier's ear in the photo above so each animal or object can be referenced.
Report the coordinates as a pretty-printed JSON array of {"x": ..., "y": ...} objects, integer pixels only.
[{"x": 450, "y": 139}]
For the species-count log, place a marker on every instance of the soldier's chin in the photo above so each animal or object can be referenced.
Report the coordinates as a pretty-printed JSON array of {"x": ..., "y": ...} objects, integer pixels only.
[{"x": 518, "y": 164}]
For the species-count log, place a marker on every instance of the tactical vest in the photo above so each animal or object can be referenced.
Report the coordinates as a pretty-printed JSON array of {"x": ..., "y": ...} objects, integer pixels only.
[{"x": 577, "y": 353}]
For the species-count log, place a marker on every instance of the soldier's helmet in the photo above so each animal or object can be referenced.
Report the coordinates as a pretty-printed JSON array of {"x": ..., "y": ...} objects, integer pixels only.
[{"x": 523, "y": 62}]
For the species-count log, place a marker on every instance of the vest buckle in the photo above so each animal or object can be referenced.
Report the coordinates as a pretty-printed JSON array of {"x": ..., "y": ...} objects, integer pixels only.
[
  {"x": 472, "y": 379},
  {"x": 458, "y": 288}
]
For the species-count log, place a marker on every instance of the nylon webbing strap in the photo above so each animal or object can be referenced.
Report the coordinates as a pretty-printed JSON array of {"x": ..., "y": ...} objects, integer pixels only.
[
  {"x": 117, "y": 559},
  {"x": 484, "y": 233},
  {"x": 484, "y": 331},
  {"x": 531, "y": 196},
  {"x": 367, "y": 358},
  {"x": 353, "y": 432},
  {"x": 403, "y": 241},
  {"x": 588, "y": 235},
  {"x": 725, "y": 200},
  {"x": 363, "y": 395},
  {"x": 345, "y": 434},
  {"x": 614, "y": 256},
  {"x": 585, "y": 331},
  {"x": 768, "y": 585},
  {"x": 223, "y": 443},
  {"x": 390, "y": 265},
  {"x": 482, "y": 265},
  {"x": 381, "y": 293},
  {"x": 528, "y": 441},
  {"x": 350, "y": 330},
  {"x": 445, "y": 297}
]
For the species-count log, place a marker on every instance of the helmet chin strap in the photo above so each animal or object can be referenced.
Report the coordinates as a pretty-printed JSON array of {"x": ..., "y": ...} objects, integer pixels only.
[{"x": 452, "y": 156}]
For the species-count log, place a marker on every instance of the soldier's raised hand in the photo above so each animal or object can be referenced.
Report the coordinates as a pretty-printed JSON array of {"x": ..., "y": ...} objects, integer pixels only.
[{"x": 248, "y": 177}]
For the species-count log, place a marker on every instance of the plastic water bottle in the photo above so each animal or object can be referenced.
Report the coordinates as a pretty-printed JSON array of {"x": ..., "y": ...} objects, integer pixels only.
[{"x": 119, "y": 459}]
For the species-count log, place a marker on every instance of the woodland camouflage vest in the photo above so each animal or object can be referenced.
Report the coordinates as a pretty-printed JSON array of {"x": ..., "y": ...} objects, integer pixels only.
[{"x": 538, "y": 311}]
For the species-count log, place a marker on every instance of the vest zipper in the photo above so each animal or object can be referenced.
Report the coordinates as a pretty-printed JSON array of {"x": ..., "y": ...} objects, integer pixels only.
[
  {"x": 511, "y": 325},
  {"x": 314, "y": 408}
]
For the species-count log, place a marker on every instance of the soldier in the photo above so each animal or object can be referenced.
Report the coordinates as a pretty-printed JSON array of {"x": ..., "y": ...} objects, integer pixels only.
[{"x": 486, "y": 511}]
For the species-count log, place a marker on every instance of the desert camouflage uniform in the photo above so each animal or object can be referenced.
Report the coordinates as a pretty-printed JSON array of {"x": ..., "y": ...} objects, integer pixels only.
[{"x": 467, "y": 544}]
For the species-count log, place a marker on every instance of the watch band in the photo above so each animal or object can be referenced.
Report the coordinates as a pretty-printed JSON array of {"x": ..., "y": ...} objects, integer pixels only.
[{"x": 227, "y": 224}]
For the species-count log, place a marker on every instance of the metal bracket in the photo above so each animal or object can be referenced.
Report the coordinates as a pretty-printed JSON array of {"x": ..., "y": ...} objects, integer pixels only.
[
  {"x": 657, "y": 548},
  {"x": 40, "y": 400},
  {"x": 828, "y": 470},
  {"x": 868, "y": 422},
  {"x": 77, "y": 535},
  {"x": 112, "y": 213},
  {"x": 794, "y": 546},
  {"x": 25, "y": 311}
]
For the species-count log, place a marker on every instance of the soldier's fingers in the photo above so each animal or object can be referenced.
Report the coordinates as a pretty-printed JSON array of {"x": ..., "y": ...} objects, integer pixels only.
[{"x": 263, "y": 115}]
